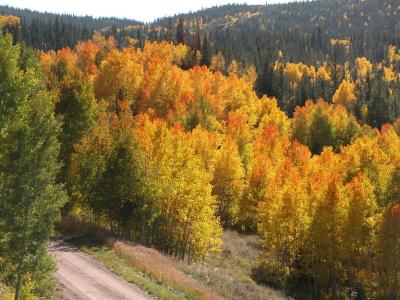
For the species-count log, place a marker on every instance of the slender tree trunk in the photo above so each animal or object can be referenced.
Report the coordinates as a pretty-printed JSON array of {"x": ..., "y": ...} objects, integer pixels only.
[
  {"x": 18, "y": 288},
  {"x": 143, "y": 232}
]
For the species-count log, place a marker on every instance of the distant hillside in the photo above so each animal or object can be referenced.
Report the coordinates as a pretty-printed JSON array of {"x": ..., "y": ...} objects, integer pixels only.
[
  {"x": 251, "y": 34},
  {"x": 42, "y": 30},
  {"x": 88, "y": 21},
  {"x": 301, "y": 30}
]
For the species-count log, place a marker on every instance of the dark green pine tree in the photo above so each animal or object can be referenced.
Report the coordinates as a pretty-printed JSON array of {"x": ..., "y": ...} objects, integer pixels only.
[
  {"x": 265, "y": 81},
  {"x": 206, "y": 52},
  {"x": 30, "y": 199},
  {"x": 180, "y": 32},
  {"x": 304, "y": 91},
  {"x": 382, "y": 108}
]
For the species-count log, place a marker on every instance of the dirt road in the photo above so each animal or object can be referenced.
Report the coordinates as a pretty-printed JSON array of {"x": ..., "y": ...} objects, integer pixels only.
[{"x": 81, "y": 278}]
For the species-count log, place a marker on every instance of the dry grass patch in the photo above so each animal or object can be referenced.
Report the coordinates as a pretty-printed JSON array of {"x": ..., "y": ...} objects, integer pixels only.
[
  {"x": 161, "y": 267},
  {"x": 229, "y": 273}
]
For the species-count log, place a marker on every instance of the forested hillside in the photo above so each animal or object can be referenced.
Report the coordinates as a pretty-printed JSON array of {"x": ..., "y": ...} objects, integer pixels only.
[
  {"x": 246, "y": 33},
  {"x": 48, "y": 31},
  {"x": 302, "y": 31},
  {"x": 168, "y": 144}
]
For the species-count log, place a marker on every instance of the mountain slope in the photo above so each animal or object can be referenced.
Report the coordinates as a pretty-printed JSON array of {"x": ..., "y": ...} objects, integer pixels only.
[
  {"x": 301, "y": 30},
  {"x": 251, "y": 34}
]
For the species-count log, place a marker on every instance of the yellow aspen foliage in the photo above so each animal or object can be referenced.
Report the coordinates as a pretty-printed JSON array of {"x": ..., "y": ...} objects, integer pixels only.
[
  {"x": 86, "y": 57},
  {"x": 166, "y": 51},
  {"x": 323, "y": 74},
  {"x": 119, "y": 77},
  {"x": 364, "y": 67},
  {"x": 283, "y": 215},
  {"x": 46, "y": 63},
  {"x": 218, "y": 63},
  {"x": 237, "y": 93},
  {"x": 325, "y": 236},
  {"x": 228, "y": 182},
  {"x": 65, "y": 62},
  {"x": 367, "y": 156},
  {"x": 205, "y": 145},
  {"x": 360, "y": 228},
  {"x": 272, "y": 115},
  {"x": 178, "y": 153},
  {"x": 180, "y": 54},
  {"x": 364, "y": 113},
  {"x": 343, "y": 43},
  {"x": 345, "y": 93},
  {"x": 319, "y": 125},
  {"x": 250, "y": 75},
  {"x": 392, "y": 53},
  {"x": 234, "y": 67},
  {"x": 389, "y": 74},
  {"x": 185, "y": 223},
  {"x": 308, "y": 71},
  {"x": 238, "y": 128},
  {"x": 132, "y": 42},
  {"x": 269, "y": 149},
  {"x": 389, "y": 142},
  {"x": 106, "y": 45},
  {"x": 160, "y": 88},
  {"x": 293, "y": 73},
  {"x": 388, "y": 247},
  {"x": 9, "y": 20}
]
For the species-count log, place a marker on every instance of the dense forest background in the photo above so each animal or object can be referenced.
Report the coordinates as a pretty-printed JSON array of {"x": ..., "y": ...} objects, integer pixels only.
[{"x": 247, "y": 33}]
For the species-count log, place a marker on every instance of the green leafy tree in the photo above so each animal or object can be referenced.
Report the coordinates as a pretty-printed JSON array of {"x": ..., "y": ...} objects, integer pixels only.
[
  {"x": 15, "y": 85},
  {"x": 321, "y": 132},
  {"x": 30, "y": 199},
  {"x": 79, "y": 110}
]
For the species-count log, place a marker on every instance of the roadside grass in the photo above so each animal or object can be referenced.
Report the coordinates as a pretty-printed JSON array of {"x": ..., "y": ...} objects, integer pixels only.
[
  {"x": 155, "y": 273},
  {"x": 164, "y": 268},
  {"x": 230, "y": 273}
]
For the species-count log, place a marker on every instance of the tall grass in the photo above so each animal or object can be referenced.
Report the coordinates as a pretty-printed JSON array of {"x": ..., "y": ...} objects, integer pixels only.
[{"x": 230, "y": 273}]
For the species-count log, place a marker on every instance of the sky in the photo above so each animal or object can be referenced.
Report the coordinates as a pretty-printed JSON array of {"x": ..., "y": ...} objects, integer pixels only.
[{"x": 141, "y": 10}]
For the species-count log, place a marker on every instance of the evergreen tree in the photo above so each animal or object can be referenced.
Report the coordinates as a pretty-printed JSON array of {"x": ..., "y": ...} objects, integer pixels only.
[
  {"x": 206, "y": 52},
  {"x": 180, "y": 32},
  {"x": 265, "y": 81},
  {"x": 382, "y": 108}
]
